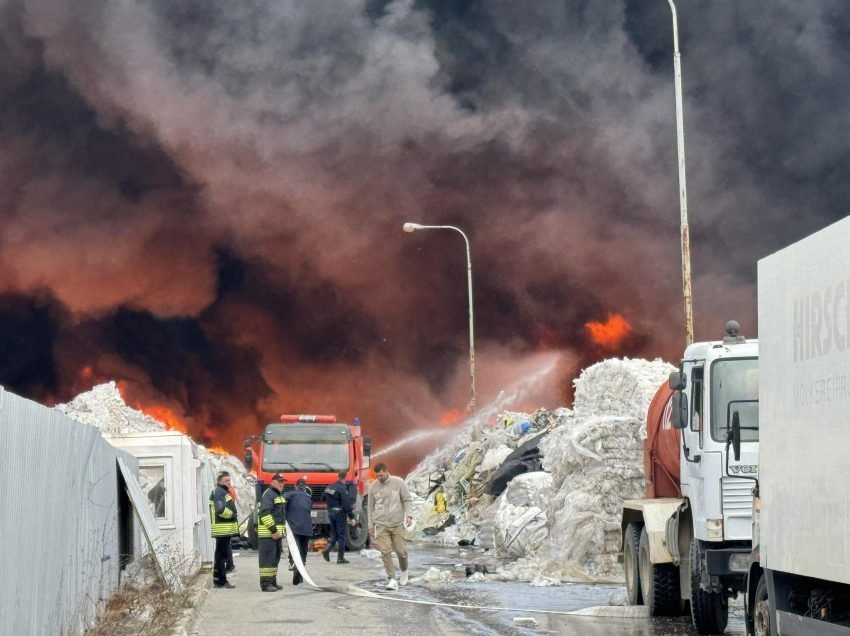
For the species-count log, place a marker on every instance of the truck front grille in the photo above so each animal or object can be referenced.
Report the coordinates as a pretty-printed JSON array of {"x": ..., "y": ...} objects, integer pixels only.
[
  {"x": 317, "y": 490},
  {"x": 737, "y": 496}
]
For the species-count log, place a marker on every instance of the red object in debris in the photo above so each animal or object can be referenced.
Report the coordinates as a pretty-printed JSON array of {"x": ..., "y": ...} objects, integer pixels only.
[{"x": 661, "y": 447}]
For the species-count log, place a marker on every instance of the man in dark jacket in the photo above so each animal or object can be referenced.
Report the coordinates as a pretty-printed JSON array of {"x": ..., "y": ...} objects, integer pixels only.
[
  {"x": 224, "y": 525},
  {"x": 271, "y": 528},
  {"x": 299, "y": 506},
  {"x": 339, "y": 510}
]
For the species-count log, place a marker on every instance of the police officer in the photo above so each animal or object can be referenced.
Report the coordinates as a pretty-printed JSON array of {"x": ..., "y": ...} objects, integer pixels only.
[
  {"x": 271, "y": 528},
  {"x": 339, "y": 509},
  {"x": 224, "y": 525}
]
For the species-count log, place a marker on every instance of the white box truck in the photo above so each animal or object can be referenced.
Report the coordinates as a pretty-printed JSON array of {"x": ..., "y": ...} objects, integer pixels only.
[{"x": 799, "y": 579}]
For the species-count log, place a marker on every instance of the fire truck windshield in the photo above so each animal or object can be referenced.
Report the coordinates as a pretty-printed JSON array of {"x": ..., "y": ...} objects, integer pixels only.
[{"x": 313, "y": 457}]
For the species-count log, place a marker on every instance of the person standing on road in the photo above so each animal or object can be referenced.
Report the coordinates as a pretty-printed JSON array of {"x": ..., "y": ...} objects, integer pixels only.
[
  {"x": 224, "y": 524},
  {"x": 339, "y": 509},
  {"x": 299, "y": 506},
  {"x": 271, "y": 528},
  {"x": 389, "y": 511}
]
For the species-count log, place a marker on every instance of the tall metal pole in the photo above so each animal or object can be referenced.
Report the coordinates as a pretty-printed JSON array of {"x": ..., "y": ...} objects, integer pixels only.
[
  {"x": 411, "y": 227},
  {"x": 683, "y": 189}
]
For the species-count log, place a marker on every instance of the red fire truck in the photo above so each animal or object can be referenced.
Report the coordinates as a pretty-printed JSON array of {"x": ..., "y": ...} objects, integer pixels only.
[{"x": 314, "y": 447}]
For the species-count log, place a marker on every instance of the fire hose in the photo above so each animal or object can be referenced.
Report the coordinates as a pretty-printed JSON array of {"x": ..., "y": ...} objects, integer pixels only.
[{"x": 353, "y": 590}]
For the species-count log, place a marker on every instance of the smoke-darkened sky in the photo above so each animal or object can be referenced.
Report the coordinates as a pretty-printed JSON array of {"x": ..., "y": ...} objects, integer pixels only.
[{"x": 204, "y": 199}]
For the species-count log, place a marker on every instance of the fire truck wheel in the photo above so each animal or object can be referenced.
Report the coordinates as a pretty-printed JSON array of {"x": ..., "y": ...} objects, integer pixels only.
[{"x": 356, "y": 536}]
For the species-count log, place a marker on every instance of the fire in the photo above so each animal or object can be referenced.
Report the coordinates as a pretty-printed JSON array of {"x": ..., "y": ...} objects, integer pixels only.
[
  {"x": 218, "y": 450},
  {"x": 451, "y": 417},
  {"x": 609, "y": 334},
  {"x": 162, "y": 414}
]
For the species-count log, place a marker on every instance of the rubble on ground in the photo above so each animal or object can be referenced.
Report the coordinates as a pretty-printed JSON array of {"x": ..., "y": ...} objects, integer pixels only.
[{"x": 545, "y": 488}]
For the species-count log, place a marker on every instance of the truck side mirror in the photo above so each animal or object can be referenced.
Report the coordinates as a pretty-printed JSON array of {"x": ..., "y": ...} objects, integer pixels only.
[
  {"x": 733, "y": 436},
  {"x": 367, "y": 446},
  {"x": 679, "y": 414},
  {"x": 676, "y": 381},
  {"x": 249, "y": 458}
]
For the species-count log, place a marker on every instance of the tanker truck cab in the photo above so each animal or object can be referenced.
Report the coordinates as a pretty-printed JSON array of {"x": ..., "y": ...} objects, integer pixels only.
[{"x": 688, "y": 543}]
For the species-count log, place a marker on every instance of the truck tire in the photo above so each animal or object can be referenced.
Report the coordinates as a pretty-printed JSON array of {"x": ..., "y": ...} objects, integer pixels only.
[
  {"x": 631, "y": 549},
  {"x": 709, "y": 610},
  {"x": 356, "y": 536},
  {"x": 659, "y": 582},
  {"x": 761, "y": 609}
]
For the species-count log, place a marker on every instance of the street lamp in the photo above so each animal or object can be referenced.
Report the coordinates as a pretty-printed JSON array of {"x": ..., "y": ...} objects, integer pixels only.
[
  {"x": 412, "y": 227},
  {"x": 683, "y": 189}
]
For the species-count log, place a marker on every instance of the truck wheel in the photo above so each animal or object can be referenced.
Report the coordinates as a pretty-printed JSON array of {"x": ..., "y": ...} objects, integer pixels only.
[
  {"x": 709, "y": 610},
  {"x": 659, "y": 582},
  {"x": 356, "y": 536},
  {"x": 761, "y": 609},
  {"x": 631, "y": 549}
]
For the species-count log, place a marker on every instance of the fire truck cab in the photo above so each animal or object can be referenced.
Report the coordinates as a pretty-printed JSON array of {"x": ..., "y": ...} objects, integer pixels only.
[{"x": 314, "y": 447}]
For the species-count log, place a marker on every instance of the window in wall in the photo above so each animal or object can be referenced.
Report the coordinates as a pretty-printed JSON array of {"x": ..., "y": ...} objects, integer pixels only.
[{"x": 152, "y": 481}]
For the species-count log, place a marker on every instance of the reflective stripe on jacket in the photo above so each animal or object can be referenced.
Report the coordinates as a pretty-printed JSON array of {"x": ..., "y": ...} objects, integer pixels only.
[
  {"x": 223, "y": 519},
  {"x": 271, "y": 517}
]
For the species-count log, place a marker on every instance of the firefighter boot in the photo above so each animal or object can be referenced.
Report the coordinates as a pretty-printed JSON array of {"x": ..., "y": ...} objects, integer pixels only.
[
  {"x": 267, "y": 584},
  {"x": 326, "y": 554},
  {"x": 342, "y": 559}
]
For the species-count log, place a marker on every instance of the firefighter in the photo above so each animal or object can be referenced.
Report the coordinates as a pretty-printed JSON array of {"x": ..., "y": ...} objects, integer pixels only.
[
  {"x": 224, "y": 525},
  {"x": 339, "y": 509},
  {"x": 271, "y": 528}
]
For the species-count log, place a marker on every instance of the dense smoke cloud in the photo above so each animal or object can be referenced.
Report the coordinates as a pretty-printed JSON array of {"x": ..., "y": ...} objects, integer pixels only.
[{"x": 205, "y": 199}]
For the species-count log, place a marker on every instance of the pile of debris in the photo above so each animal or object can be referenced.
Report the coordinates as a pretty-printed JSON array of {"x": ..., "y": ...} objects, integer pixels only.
[
  {"x": 546, "y": 488},
  {"x": 105, "y": 409},
  {"x": 454, "y": 488}
]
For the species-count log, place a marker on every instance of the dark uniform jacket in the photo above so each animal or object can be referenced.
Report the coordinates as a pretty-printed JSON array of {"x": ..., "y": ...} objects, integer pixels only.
[
  {"x": 223, "y": 513},
  {"x": 272, "y": 515},
  {"x": 336, "y": 495},
  {"x": 299, "y": 506}
]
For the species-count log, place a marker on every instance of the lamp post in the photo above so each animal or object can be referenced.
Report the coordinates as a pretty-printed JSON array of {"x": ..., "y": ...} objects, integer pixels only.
[
  {"x": 683, "y": 189},
  {"x": 412, "y": 227}
]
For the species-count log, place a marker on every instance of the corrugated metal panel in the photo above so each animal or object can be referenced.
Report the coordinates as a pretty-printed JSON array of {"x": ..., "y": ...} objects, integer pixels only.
[
  {"x": 737, "y": 508},
  {"x": 60, "y": 528}
]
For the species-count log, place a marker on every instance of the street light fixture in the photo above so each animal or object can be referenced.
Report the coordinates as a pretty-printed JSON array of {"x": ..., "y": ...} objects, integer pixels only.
[
  {"x": 412, "y": 227},
  {"x": 683, "y": 189}
]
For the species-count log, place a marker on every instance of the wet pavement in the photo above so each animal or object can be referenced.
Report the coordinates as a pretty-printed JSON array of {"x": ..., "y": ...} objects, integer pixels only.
[{"x": 249, "y": 612}]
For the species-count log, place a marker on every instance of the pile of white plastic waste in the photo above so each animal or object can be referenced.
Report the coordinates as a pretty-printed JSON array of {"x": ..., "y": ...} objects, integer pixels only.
[
  {"x": 560, "y": 519},
  {"x": 105, "y": 409}
]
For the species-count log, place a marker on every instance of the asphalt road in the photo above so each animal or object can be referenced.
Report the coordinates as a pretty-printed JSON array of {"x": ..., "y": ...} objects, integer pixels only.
[{"x": 247, "y": 611}]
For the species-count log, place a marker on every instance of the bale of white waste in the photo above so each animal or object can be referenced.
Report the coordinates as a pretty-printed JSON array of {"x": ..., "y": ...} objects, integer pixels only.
[{"x": 596, "y": 462}]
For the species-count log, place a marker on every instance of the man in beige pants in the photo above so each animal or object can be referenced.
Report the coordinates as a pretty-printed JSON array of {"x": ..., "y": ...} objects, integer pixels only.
[{"x": 388, "y": 512}]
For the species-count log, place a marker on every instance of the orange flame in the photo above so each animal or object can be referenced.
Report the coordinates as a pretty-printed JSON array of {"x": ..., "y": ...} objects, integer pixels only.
[
  {"x": 609, "y": 334},
  {"x": 162, "y": 414},
  {"x": 218, "y": 450},
  {"x": 451, "y": 417}
]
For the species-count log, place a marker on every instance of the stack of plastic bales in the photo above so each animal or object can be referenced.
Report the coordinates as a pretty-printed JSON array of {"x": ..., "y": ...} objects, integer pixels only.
[{"x": 596, "y": 462}]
